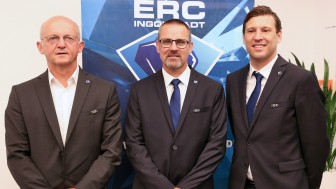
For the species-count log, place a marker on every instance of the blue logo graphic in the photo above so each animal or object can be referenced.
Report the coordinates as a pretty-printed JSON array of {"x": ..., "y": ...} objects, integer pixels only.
[
  {"x": 141, "y": 57},
  {"x": 120, "y": 40},
  {"x": 147, "y": 58}
]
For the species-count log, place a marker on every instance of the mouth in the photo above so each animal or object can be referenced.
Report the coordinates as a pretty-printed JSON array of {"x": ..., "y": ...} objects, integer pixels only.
[
  {"x": 173, "y": 56},
  {"x": 61, "y": 53},
  {"x": 258, "y": 46}
]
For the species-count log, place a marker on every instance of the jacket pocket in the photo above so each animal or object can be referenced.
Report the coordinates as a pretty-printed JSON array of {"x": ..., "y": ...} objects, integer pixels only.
[
  {"x": 199, "y": 110},
  {"x": 291, "y": 165},
  {"x": 92, "y": 112}
]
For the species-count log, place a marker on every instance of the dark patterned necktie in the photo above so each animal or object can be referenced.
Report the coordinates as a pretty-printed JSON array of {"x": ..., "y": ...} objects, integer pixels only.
[
  {"x": 175, "y": 103},
  {"x": 251, "y": 104}
]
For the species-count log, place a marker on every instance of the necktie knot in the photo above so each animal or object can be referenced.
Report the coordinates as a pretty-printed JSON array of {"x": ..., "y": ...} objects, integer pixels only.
[
  {"x": 258, "y": 76},
  {"x": 175, "y": 82}
]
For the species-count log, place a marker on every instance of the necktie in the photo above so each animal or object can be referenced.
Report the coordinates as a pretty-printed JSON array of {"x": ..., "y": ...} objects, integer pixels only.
[
  {"x": 250, "y": 106},
  {"x": 175, "y": 103}
]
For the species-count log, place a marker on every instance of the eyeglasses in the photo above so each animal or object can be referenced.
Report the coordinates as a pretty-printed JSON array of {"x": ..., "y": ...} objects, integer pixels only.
[
  {"x": 180, "y": 43},
  {"x": 55, "y": 39}
]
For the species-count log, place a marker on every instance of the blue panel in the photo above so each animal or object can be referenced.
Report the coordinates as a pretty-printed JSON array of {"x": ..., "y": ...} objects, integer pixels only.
[{"x": 120, "y": 46}]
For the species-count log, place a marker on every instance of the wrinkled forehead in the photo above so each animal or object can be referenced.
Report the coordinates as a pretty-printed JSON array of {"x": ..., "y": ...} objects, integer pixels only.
[{"x": 59, "y": 26}]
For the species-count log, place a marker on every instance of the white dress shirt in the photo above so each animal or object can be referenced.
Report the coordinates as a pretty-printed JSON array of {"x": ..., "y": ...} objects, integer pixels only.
[
  {"x": 63, "y": 99},
  {"x": 250, "y": 85},
  {"x": 183, "y": 85}
]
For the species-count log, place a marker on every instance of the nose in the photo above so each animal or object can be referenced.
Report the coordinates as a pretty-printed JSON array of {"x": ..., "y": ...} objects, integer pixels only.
[
  {"x": 258, "y": 35},
  {"x": 173, "y": 46},
  {"x": 61, "y": 42}
]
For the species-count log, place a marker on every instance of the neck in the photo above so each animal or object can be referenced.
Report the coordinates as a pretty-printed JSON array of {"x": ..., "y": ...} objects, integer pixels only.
[
  {"x": 62, "y": 74},
  {"x": 175, "y": 72},
  {"x": 258, "y": 64}
]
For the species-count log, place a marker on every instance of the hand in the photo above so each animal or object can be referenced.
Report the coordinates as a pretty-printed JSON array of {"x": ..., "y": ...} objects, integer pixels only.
[{"x": 176, "y": 187}]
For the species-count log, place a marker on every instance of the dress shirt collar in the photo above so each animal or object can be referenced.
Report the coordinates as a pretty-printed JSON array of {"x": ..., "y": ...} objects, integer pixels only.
[
  {"x": 265, "y": 71},
  {"x": 184, "y": 77},
  {"x": 73, "y": 77}
]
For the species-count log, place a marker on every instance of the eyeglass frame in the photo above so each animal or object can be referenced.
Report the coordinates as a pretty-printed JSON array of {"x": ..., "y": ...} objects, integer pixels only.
[
  {"x": 73, "y": 37},
  {"x": 174, "y": 40}
]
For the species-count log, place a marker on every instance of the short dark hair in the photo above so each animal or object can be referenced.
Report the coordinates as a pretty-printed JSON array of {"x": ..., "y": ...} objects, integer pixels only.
[
  {"x": 261, "y": 11},
  {"x": 174, "y": 21}
]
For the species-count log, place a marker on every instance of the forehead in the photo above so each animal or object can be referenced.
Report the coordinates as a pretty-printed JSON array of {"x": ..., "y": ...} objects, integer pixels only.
[
  {"x": 261, "y": 21},
  {"x": 174, "y": 31},
  {"x": 59, "y": 27}
]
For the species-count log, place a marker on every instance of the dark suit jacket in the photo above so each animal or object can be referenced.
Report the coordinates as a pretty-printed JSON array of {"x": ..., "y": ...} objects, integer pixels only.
[
  {"x": 187, "y": 158},
  {"x": 36, "y": 155},
  {"x": 286, "y": 144}
]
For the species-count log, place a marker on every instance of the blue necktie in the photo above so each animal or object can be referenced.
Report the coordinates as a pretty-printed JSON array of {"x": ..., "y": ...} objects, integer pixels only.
[
  {"x": 175, "y": 103},
  {"x": 251, "y": 104}
]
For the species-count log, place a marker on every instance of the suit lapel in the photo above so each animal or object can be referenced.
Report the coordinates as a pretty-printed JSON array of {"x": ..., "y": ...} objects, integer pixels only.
[
  {"x": 82, "y": 89},
  {"x": 277, "y": 72},
  {"x": 44, "y": 94},
  {"x": 242, "y": 93},
  {"x": 191, "y": 91},
  {"x": 161, "y": 90}
]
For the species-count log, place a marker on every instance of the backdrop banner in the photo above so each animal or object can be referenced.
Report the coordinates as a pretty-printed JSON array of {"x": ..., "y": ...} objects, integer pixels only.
[{"x": 120, "y": 40}]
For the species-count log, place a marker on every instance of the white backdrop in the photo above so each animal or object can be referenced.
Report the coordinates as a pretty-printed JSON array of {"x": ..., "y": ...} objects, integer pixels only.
[
  {"x": 309, "y": 29},
  {"x": 20, "y": 60}
]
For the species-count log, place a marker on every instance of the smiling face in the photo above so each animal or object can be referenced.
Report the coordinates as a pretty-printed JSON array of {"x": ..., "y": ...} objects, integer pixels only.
[
  {"x": 61, "y": 54},
  {"x": 174, "y": 59},
  {"x": 261, "y": 39}
]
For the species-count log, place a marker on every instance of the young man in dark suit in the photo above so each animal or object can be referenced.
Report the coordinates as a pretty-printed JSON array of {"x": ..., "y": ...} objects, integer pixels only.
[
  {"x": 176, "y": 132},
  {"x": 63, "y": 127},
  {"x": 277, "y": 114}
]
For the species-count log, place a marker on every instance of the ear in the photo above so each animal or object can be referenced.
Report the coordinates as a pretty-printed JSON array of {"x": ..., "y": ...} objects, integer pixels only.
[
  {"x": 279, "y": 34},
  {"x": 157, "y": 44},
  {"x": 243, "y": 38},
  {"x": 39, "y": 47},
  {"x": 81, "y": 46},
  {"x": 191, "y": 46}
]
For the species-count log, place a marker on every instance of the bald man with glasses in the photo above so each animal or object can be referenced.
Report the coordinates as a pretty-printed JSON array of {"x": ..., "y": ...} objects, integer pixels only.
[{"x": 63, "y": 127}]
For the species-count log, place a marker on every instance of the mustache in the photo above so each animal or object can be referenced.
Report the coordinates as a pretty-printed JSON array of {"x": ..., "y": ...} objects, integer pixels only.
[{"x": 173, "y": 55}]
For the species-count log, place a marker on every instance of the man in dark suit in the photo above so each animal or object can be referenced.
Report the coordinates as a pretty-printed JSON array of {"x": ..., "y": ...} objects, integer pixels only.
[
  {"x": 63, "y": 127},
  {"x": 277, "y": 114},
  {"x": 175, "y": 152}
]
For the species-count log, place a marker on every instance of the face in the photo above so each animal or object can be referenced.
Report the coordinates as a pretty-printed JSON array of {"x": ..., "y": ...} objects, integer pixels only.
[
  {"x": 61, "y": 54},
  {"x": 174, "y": 60},
  {"x": 261, "y": 40}
]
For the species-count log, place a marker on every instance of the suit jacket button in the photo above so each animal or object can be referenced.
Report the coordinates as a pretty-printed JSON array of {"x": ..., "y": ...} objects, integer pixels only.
[{"x": 174, "y": 147}]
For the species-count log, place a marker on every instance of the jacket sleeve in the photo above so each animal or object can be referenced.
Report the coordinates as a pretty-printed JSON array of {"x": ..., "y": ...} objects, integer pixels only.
[
  {"x": 20, "y": 164},
  {"x": 311, "y": 117}
]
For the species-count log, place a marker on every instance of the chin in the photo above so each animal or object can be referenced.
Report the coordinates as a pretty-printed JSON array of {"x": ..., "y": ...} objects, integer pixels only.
[{"x": 174, "y": 65}]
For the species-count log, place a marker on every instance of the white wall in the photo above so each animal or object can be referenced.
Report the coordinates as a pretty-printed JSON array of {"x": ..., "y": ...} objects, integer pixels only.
[
  {"x": 304, "y": 33},
  {"x": 309, "y": 31},
  {"x": 20, "y": 60}
]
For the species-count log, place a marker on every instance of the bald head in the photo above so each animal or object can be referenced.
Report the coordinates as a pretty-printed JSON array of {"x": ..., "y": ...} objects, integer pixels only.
[
  {"x": 60, "y": 43},
  {"x": 54, "y": 21}
]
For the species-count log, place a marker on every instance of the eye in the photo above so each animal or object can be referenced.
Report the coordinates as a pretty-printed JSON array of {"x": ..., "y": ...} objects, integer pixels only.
[
  {"x": 181, "y": 42},
  {"x": 53, "y": 38},
  {"x": 68, "y": 39},
  {"x": 250, "y": 31},
  {"x": 266, "y": 30},
  {"x": 166, "y": 41}
]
